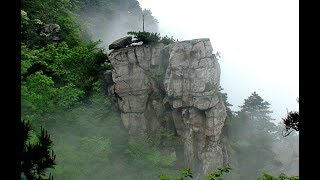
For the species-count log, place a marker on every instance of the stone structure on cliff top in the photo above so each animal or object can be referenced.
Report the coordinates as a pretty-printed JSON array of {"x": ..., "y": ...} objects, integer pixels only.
[{"x": 180, "y": 80}]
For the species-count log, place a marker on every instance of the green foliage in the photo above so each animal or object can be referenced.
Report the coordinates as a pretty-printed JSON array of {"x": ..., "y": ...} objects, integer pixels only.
[
  {"x": 166, "y": 40},
  {"x": 24, "y": 19},
  {"x": 282, "y": 176},
  {"x": 146, "y": 37},
  {"x": 35, "y": 13},
  {"x": 59, "y": 85},
  {"x": 257, "y": 112},
  {"x": 255, "y": 107},
  {"x": 224, "y": 96},
  {"x": 70, "y": 30},
  {"x": 217, "y": 174},
  {"x": 250, "y": 135},
  {"x": 46, "y": 10},
  {"x": 84, "y": 138},
  {"x": 163, "y": 177},
  {"x": 187, "y": 174},
  {"x": 164, "y": 133},
  {"x": 184, "y": 175},
  {"x": 30, "y": 30},
  {"x": 145, "y": 154},
  {"x": 151, "y": 38},
  {"x": 56, "y": 77},
  {"x": 36, "y": 156},
  {"x": 90, "y": 142}
]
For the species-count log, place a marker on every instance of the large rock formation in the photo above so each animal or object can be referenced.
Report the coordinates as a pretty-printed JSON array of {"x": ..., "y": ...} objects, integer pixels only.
[{"x": 175, "y": 87}]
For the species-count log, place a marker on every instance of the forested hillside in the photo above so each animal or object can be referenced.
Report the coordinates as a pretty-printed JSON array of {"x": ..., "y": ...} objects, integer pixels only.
[
  {"x": 256, "y": 144},
  {"x": 64, "y": 90}
]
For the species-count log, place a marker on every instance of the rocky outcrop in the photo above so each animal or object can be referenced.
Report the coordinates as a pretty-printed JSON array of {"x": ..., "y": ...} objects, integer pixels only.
[
  {"x": 175, "y": 87},
  {"x": 51, "y": 32},
  {"x": 121, "y": 43}
]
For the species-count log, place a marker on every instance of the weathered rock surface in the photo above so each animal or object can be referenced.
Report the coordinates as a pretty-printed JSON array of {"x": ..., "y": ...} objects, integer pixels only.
[
  {"x": 121, "y": 43},
  {"x": 182, "y": 80},
  {"x": 51, "y": 32}
]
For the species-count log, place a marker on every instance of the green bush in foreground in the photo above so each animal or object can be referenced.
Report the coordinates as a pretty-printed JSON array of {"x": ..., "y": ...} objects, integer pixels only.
[
  {"x": 37, "y": 155},
  {"x": 282, "y": 176},
  {"x": 187, "y": 174}
]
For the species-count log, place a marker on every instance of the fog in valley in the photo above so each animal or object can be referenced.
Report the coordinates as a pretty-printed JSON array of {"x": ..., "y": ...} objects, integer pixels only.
[{"x": 256, "y": 45}]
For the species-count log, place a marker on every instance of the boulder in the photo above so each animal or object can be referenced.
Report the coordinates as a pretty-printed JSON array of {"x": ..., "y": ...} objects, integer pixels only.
[
  {"x": 51, "y": 32},
  {"x": 121, "y": 43}
]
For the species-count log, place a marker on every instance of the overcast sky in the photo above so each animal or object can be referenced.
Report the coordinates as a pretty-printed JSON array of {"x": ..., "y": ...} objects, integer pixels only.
[{"x": 258, "y": 41}]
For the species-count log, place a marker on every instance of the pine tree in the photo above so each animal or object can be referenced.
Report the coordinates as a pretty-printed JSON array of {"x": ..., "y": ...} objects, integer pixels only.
[
  {"x": 35, "y": 158},
  {"x": 258, "y": 112},
  {"x": 256, "y": 107},
  {"x": 251, "y": 138}
]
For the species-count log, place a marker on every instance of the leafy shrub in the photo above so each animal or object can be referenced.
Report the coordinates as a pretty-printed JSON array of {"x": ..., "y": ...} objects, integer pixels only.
[
  {"x": 56, "y": 77},
  {"x": 144, "y": 154},
  {"x": 282, "y": 176},
  {"x": 217, "y": 174},
  {"x": 166, "y": 40},
  {"x": 187, "y": 174}
]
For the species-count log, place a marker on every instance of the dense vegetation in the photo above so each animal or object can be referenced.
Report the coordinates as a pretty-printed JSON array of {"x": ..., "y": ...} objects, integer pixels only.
[
  {"x": 62, "y": 90},
  {"x": 251, "y": 137},
  {"x": 35, "y": 157}
]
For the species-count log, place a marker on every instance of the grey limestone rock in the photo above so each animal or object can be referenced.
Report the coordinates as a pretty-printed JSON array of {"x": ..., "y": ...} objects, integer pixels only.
[
  {"x": 51, "y": 32},
  {"x": 121, "y": 43},
  {"x": 187, "y": 90}
]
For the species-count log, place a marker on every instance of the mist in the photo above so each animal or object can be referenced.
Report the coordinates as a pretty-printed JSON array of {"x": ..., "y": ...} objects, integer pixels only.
[
  {"x": 108, "y": 27},
  {"x": 258, "y": 46},
  {"x": 91, "y": 140},
  {"x": 258, "y": 42},
  {"x": 256, "y": 145}
]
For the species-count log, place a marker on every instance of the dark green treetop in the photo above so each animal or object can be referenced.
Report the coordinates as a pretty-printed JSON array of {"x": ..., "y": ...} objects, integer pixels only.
[
  {"x": 35, "y": 158},
  {"x": 255, "y": 107}
]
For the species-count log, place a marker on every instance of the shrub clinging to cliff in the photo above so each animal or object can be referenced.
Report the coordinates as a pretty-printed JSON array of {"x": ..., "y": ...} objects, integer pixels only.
[{"x": 151, "y": 38}]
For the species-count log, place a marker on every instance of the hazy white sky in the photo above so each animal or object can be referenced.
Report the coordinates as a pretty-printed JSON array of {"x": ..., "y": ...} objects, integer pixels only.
[{"x": 258, "y": 41}]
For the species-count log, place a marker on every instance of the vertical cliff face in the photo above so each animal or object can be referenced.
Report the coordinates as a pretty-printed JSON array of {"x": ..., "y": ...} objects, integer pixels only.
[{"x": 173, "y": 87}]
